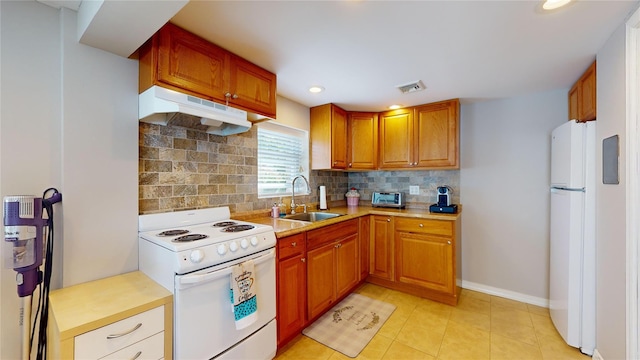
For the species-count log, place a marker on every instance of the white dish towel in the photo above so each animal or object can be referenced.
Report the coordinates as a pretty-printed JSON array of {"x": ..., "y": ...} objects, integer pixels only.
[{"x": 243, "y": 294}]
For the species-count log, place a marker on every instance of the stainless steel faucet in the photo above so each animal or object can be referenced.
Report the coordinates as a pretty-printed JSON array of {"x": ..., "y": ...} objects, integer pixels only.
[{"x": 293, "y": 193}]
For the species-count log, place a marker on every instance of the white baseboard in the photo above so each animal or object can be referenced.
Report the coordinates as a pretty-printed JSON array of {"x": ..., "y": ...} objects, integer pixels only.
[
  {"x": 596, "y": 355},
  {"x": 533, "y": 300}
]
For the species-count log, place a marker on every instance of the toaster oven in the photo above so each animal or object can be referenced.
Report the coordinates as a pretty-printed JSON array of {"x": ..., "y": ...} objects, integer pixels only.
[{"x": 388, "y": 199}]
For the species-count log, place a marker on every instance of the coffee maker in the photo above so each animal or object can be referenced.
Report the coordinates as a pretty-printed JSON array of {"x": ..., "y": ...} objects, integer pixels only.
[
  {"x": 444, "y": 204},
  {"x": 444, "y": 196}
]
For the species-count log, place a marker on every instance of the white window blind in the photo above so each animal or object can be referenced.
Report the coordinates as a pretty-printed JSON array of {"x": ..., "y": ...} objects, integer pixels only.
[{"x": 283, "y": 153}]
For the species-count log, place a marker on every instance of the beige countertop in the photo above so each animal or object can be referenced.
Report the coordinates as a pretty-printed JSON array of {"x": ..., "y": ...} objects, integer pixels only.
[{"x": 284, "y": 227}]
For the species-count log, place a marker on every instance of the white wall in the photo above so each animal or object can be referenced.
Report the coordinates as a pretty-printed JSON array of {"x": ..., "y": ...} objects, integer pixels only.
[
  {"x": 292, "y": 114},
  {"x": 611, "y": 202},
  {"x": 69, "y": 120},
  {"x": 504, "y": 179}
]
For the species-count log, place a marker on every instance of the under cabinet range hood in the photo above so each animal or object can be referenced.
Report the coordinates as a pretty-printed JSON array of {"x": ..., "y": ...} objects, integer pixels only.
[{"x": 161, "y": 106}]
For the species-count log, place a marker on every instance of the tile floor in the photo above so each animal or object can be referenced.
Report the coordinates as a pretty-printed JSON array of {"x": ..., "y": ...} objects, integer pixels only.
[{"x": 480, "y": 327}]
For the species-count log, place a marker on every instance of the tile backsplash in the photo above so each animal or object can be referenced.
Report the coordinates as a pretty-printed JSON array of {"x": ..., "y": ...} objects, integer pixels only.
[{"x": 182, "y": 169}]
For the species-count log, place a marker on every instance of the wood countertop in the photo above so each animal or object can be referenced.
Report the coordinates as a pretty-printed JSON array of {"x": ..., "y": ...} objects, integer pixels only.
[{"x": 284, "y": 227}]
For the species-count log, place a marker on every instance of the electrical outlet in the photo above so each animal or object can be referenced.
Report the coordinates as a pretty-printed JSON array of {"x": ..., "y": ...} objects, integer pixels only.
[{"x": 414, "y": 190}]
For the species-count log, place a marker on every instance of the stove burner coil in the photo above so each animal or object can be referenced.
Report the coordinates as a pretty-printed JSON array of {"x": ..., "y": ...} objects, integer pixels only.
[
  {"x": 190, "y": 237},
  {"x": 173, "y": 232},
  {"x": 224, "y": 223},
  {"x": 238, "y": 228}
]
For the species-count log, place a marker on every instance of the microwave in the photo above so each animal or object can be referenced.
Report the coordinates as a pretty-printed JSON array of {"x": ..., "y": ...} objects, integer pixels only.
[{"x": 388, "y": 199}]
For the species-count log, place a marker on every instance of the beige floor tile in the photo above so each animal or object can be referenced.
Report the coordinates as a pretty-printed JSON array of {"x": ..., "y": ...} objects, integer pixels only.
[
  {"x": 375, "y": 350},
  {"x": 496, "y": 300},
  {"x": 421, "y": 337},
  {"x": 402, "y": 299},
  {"x": 399, "y": 351},
  {"x": 508, "y": 313},
  {"x": 559, "y": 350},
  {"x": 473, "y": 304},
  {"x": 435, "y": 321},
  {"x": 476, "y": 295},
  {"x": 544, "y": 328},
  {"x": 465, "y": 342},
  {"x": 373, "y": 291},
  {"x": 514, "y": 330},
  {"x": 435, "y": 308},
  {"x": 469, "y": 318},
  {"x": 307, "y": 349},
  {"x": 393, "y": 325},
  {"x": 538, "y": 310},
  {"x": 503, "y": 348}
]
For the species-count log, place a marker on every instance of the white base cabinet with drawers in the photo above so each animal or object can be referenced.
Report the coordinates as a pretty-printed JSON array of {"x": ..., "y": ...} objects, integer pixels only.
[{"x": 128, "y": 316}]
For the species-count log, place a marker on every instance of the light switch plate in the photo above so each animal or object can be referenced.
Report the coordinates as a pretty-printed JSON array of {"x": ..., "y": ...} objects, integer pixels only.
[{"x": 414, "y": 190}]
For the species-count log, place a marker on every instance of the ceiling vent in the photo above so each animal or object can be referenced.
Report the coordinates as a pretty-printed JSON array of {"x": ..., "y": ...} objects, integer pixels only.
[{"x": 412, "y": 87}]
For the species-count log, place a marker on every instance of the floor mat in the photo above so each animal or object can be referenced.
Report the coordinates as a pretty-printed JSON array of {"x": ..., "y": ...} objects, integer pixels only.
[{"x": 351, "y": 324}]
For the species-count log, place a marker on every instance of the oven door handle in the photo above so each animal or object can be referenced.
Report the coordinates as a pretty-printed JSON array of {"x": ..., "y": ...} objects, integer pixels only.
[{"x": 217, "y": 274}]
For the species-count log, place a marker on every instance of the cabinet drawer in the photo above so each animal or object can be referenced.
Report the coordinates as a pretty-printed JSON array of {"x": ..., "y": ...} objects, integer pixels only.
[
  {"x": 95, "y": 344},
  {"x": 291, "y": 245},
  {"x": 150, "y": 349},
  {"x": 425, "y": 226},
  {"x": 327, "y": 234}
]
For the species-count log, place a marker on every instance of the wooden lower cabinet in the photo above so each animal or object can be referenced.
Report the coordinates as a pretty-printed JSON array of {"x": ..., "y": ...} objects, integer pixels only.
[
  {"x": 426, "y": 257},
  {"x": 380, "y": 251},
  {"x": 291, "y": 291},
  {"x": 364, "y": 234},
  {"x": 332, "y": 265}
]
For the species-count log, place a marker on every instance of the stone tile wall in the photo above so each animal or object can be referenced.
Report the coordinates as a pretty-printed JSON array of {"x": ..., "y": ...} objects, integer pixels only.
[{"x": 182, "y": 169}]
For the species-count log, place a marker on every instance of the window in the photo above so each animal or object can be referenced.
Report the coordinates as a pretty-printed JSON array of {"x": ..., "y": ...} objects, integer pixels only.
[{"x": 283, "y": 153}]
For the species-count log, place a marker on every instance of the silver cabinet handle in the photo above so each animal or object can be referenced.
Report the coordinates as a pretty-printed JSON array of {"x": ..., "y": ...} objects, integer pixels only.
[
  {"x": 137, "y": 355},
  {"x": 115, "y": 336},
  {"x": 449, "y": 242},
  {"x": 235, "y": 96},
  {"x": 388, "y": 220},
  {"x": 303, "y": 260},
  {"x": 294, "y": 244},
  {"x": 421, "y": 225}
]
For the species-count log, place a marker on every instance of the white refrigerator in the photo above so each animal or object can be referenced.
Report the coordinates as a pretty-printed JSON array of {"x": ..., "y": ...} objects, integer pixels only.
[{"x": 572, "y": 297}]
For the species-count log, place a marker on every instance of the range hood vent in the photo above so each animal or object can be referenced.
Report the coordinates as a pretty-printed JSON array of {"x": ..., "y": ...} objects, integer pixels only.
[
  {"x": 412, "y": 87},
  {"x": 161, "y": 106}
]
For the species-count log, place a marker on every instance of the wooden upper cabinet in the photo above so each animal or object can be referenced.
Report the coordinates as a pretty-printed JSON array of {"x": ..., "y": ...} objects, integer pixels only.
[
  {"x": 362, "y": 142},
  {"x": 582, "y": 96},
  {"x": 328, "y": 125},
  {"x": 396, "y": 139},
  {"x": 252, "y": 87},
  {"x": 177, "y": 59},
  {"x": 436, "y": 135}
]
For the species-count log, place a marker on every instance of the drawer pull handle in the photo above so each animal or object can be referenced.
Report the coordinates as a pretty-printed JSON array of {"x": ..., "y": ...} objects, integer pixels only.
[
  {"x": 388, "y": 220},
  {"x": 137, "y": 355},
  {"x": 115, "y": 336},
  {"x": 449, "y": 242},
  {"x": 294, "y": 244},
  {"x": 303, "y": 260},
  {"x": 421, "y": 225}
]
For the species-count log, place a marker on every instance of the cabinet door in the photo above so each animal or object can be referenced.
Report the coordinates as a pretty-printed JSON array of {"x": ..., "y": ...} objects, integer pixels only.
[
  {"x": 381, "y": 247},
  {"x": 587, "y": 94},
  {"x": 436, "y": 135},
  {"x": 321, "y": 283},
  {"x": 364, "y": 236},
  {"x": 425, "y": 260},
  {"x": 396, "y": 139},
  {"x": 573, "y": 103},
  {"x": 252, "y": 88},
  {"x": 362, "y": 131},
  {"x": 328, "y": 131},
  {"x": 291, "y": 297},
  {"x": 347, "y": 269},
  {"x": 189, "y": 62},
  {"x": 338, "y": 138}
]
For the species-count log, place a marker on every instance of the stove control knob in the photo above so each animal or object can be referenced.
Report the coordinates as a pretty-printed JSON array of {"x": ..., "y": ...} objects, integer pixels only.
[
  {"x": 244, "y": 243},
  {"x": 233, "y": 246},
  {"x": 222, "y": 249},
  {"x": 196, "y": 256},
  {"x": 254, "y": 241}
]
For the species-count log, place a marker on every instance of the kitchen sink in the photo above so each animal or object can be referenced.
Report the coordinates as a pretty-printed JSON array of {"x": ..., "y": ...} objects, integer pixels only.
[{"x": 312, "y": 216}]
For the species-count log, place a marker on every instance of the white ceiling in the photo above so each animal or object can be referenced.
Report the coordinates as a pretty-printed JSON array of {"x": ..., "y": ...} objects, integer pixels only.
[{"x": 361, "y": 50}]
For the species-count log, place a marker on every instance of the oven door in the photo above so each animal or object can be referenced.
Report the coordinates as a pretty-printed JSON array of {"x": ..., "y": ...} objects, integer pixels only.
[{"x": 204, "y": 324}]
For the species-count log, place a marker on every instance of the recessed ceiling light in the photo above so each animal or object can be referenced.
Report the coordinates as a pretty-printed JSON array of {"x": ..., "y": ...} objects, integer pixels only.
[
  {"x": 316, "y": 89},
  {"x": 554, "y": 4},
  {"x": 395, "y": 106}
]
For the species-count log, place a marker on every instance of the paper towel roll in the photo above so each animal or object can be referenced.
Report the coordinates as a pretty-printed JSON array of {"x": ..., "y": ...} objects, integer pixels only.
[{"x": 323, "y": 198}]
